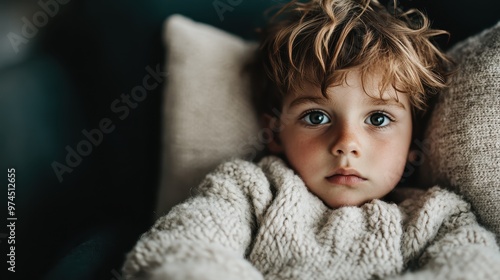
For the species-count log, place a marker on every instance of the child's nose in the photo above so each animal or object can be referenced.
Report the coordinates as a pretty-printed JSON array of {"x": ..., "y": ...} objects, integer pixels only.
[{"x": 346, "y": 142}]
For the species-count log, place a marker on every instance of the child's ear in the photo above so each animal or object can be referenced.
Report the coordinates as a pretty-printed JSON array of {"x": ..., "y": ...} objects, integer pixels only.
[
  {"x": 273, "y": 123},
  {"x": 413, "y": 155}
]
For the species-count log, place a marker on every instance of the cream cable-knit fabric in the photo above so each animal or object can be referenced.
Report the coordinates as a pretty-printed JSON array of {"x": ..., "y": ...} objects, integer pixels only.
[{"x": 251, "y": 221}]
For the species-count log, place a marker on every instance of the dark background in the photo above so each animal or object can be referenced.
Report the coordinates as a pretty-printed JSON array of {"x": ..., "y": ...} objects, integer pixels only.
[{"x": 65, "y": 80}]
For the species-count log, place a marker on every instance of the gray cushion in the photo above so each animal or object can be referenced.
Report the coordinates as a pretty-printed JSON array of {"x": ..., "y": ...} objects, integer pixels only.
[{"x": 462, "y": 141}]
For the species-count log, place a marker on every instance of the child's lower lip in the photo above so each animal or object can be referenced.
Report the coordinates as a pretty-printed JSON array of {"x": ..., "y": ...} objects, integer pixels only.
[{"x": 346, "y": 180}]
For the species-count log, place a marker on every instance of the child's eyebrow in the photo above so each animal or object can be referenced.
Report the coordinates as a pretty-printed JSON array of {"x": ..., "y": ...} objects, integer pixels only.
[
  {"x": 308, "y": 99},
  {"x": 390, "y": 102},
  {"x": 323, "y": 101}
]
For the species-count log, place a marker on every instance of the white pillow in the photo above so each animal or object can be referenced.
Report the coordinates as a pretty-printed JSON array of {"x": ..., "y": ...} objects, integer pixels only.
[{"x": 208, "y": 116}]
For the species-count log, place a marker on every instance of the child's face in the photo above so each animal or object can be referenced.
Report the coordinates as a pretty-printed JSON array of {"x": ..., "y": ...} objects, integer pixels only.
[{"x": 350, "y": 148}]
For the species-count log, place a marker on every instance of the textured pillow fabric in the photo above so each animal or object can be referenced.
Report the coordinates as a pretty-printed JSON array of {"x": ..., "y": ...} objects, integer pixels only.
[
  {"x": 462, "y": 141},
  {"x": 208, "y": 114}
]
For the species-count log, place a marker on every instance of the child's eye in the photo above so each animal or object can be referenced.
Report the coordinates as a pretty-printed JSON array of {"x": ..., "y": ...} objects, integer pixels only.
[
  {"x": 316, "y": 118},
  {"x": 378, "y": 119}
]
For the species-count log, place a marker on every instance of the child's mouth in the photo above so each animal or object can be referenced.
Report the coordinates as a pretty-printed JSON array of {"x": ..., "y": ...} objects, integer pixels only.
[
  {"x": 345, "y": 180},
  {"x": 346, "y": 177}
]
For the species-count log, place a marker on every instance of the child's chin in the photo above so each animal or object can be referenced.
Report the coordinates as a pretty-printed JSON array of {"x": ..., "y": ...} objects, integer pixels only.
[{"x": 345, "y": 202}]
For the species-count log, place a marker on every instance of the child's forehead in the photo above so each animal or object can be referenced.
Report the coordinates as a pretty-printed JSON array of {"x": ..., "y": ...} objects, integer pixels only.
[
  {"x": 370, "y": 100},
  {"x": 372, "y": 89}
]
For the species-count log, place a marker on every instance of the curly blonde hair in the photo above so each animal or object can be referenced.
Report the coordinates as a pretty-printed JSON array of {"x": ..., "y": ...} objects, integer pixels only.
[{"x": 320, "y": 41}]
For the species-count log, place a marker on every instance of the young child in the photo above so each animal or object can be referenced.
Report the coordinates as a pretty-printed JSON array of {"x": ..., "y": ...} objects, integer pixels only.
[{"x": 347, "y": 81}]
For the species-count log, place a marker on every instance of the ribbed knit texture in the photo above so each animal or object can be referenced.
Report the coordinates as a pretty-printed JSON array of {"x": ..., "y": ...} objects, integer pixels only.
[
  {"x": 251, "y": 221},
  {"x": 462, "y": 143}
]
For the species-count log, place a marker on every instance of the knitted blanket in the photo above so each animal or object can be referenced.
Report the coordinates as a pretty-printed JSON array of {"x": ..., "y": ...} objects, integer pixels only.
[{"x": 259, "y": 221}]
